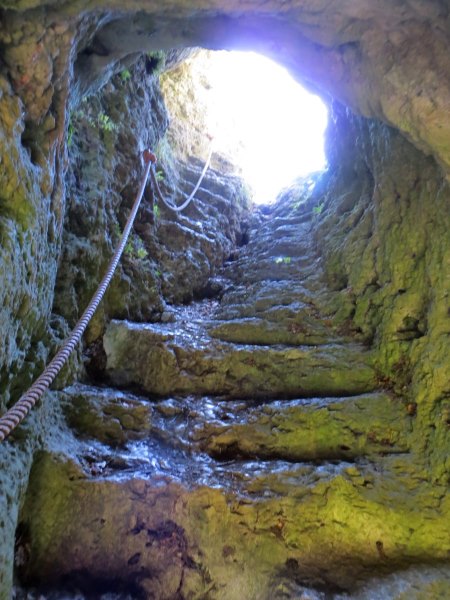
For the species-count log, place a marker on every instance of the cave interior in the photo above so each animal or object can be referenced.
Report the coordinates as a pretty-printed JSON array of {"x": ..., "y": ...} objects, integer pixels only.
[{"x": 260, "y": 407}]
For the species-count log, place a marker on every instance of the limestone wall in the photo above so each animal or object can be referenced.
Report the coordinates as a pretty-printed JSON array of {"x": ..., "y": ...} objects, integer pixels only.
[{"x": 383, "y": 230}]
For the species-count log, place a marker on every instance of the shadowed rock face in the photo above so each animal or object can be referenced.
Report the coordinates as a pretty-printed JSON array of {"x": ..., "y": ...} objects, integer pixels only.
[{"x": 254, "y": 476}]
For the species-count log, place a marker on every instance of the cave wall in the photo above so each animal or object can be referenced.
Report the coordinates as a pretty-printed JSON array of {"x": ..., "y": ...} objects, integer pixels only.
[
  {"x": 388, "y": 60},
  {"x": 107, "y": 133},
  {"x": 383, "y": 231}
]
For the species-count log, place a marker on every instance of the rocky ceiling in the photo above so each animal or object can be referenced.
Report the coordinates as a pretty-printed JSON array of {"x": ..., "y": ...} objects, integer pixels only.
[{"x": 387, "y": 59}]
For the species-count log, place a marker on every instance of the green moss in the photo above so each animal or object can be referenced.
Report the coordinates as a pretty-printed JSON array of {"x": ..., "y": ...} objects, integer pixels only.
[
  {"x": 217, "y": 369},
  {"x": 105, "y": 122},
  {"x": 262, "y": 332},
  {"x": 339, "y": 429},
  {"x": 125, "y": 75},
  {"x": 347, "y": 525},
  {"x": 134, "y": 248},
  {"x": 112, "y": 419}
]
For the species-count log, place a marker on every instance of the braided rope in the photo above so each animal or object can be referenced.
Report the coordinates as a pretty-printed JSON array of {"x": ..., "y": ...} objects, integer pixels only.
[
  {"x": 15, "y": 415},
  {"x": 186, "y": 203}
]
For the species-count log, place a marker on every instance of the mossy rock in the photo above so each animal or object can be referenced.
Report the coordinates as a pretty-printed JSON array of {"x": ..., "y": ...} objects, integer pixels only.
[{"x": 105, "y": 414}]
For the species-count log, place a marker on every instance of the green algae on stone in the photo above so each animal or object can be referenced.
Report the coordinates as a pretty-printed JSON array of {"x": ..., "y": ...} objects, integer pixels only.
[
  {"x": 162, "y": 361},
  {"x": 16, "y": 459},
  {"x": 297, "y": 330},
  {"x": 342, "y": 527},
  {"x": 388, "y": 259},
  {"x": 108, "y": 416},
  {"x": 399, "y": 296},
  {"x": 342, "y": 428}
]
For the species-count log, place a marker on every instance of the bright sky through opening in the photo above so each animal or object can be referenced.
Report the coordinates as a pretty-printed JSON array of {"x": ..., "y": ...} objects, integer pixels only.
[{"x": 275, "y": 126}]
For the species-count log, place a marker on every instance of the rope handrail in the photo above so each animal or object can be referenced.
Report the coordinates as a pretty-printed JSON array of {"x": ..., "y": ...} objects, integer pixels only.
[
  {"x": 15, "y": 415},
  {"x": 186, "y": 203}
]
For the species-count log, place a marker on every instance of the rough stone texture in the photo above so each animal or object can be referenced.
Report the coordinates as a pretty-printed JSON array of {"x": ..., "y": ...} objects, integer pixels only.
[
  {"x": 190, "y": 247},
  {"x": 302, "y": 430},
  {"x": 163, "y": 360},
  {"x": 250, "y": 497},
  {"x": 112, "y": 419},
  {"x": 302, "y": 531},
  {"x": 168, "y": 257},
  {"x": 44, "y": 427},
  {"x": 31, "y": 219},
  {"x": 382, "y": 230},
  {"x": 30, "y": 227},
  {"x": 105, "y": 136}
]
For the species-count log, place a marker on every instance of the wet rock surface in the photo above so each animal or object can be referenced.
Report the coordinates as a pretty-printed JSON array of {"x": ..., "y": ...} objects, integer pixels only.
[
  {"x": 382, "y": 225},
  {"x": 110, "y": 418},
  {"x": 290, "y": 476},
  {"x": 170, "y": 360},
  {"x": 271, "y": 279}
]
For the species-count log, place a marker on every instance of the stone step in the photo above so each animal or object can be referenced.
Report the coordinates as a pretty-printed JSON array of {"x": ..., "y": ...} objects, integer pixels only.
[
  {"x": 212, "y": 181},
  {"x": 293, "y": 244},
  {"x": 300, "y": 430},
  {"x": 181, "y": 358},
  {"x": 214, "y": 211},
  {"x": 105, "y": 414},
  {"x": 204, "y": 203},
  {"x": 137, "y": 504},
  {"x": 290, "y": 328},
  {"x": 177, "y": 235},
  {"x": 273, "y": 300},
  {"x": 304, "y": 430},
  {"x": 328, "y": 527},
  {"x": 274, "y": 268},
  {"x": 267, "y": 231},
  {"x": 208, "y": 197},
  {"x": 281, "y": 251},
  {"x": 120, "y": 433}
]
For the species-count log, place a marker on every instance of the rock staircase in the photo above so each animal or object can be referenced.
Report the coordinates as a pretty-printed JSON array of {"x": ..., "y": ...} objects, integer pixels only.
[
  {"x": 241, "y": 450},
  {"x": 189, "y": 246}
]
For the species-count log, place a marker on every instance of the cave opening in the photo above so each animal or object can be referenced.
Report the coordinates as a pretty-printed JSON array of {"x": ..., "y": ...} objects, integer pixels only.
[{"x": 265, "y": 126}]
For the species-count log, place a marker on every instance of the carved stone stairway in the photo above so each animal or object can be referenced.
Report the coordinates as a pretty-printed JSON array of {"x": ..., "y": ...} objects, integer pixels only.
[{"x": 241, "y": 450}]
